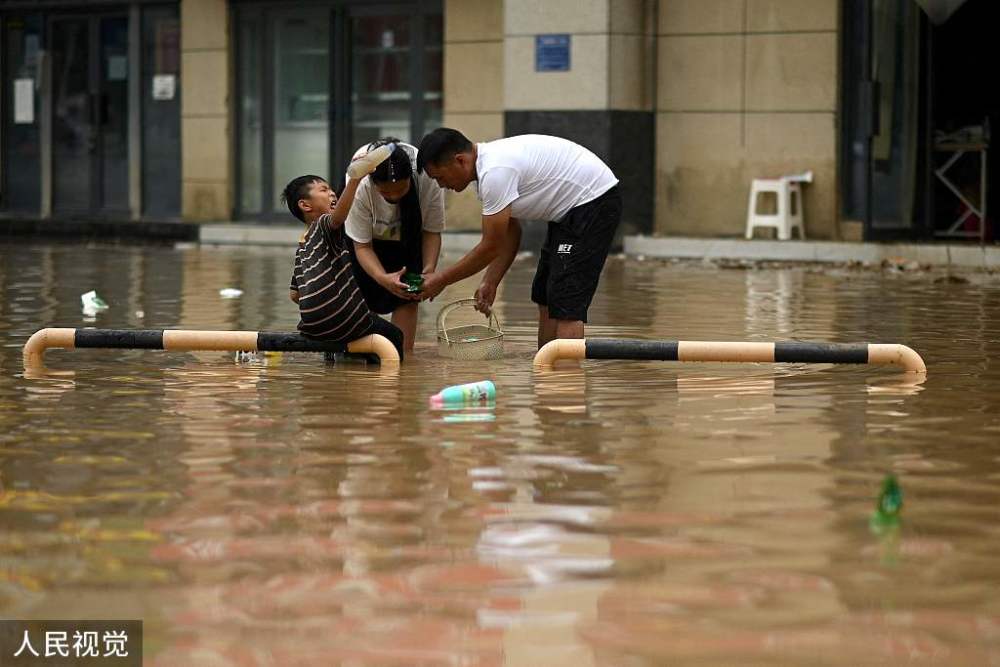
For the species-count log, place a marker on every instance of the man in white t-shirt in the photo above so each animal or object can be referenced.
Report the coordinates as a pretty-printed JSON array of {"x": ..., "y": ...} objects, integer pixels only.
[
  {"x": 531, "y": 177},
  {"x": 395, "y": 225}
]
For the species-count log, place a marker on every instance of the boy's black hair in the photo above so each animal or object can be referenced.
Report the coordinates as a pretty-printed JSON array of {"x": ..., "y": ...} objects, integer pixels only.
[
  {"x": 298, "y": 188},
  {"x": 396, "y": 168},
  {"x": 440, "y": 146}
]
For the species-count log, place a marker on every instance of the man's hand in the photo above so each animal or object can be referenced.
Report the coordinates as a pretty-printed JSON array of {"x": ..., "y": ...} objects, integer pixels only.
[
  {"x": 393, "y": 282},
  {"x": 433, "y": 284},
  {"x": 485, "y": 296}
]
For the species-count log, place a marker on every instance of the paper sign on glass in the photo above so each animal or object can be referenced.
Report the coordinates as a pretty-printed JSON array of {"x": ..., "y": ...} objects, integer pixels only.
[
  {"x": 164, "y": 86},
  {"x": 24, "y": 101}
]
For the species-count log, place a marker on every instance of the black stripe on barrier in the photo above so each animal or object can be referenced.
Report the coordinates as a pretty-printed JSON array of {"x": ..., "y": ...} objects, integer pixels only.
[
  {"x": 279, "y": 341},
  {"x": 128, "y": 339},
  {"x": 608, "y": 348},
  {"x": 821, "y": 353}
]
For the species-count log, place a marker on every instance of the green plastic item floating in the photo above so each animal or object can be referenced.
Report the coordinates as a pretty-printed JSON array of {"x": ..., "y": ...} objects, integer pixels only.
[
  {"x": 890, "y": 500},
  {"x": 885, "y": 518},
  {"x": 414, "y": 282}
]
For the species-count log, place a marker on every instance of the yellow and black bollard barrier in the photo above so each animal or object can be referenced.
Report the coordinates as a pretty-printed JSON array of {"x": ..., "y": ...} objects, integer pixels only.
[
  {"x": 190, "y": 341},
  {"x": 778, "y": 352}
]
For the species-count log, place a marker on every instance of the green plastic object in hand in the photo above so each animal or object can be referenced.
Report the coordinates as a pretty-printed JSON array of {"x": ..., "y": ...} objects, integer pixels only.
[{"x": 414, "y": 282}]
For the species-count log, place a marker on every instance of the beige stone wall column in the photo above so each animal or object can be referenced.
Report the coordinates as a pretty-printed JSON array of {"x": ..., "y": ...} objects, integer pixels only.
[
  {"x": 206, "y": 145},
  {"x": 603, "y": 101},
  {"x": 473, "y": 86},
  {"x": 746, "y": 89}
]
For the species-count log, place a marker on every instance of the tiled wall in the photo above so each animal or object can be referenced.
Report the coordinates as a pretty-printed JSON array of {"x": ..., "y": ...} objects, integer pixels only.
[
  {"x": 205, "y": 130},
  {"x": 473, "y": 86},
  {"x": 603, "y": 101},
  {"x": 746, "y": 89}
]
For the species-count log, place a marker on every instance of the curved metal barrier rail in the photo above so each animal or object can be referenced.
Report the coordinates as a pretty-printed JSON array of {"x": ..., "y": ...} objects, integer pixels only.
[
  {"x": 189, "y": 341},
  {"x": 780, "y": 352}
]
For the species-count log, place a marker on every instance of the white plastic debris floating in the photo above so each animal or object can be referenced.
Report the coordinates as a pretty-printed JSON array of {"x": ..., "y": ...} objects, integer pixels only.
[
  {"x": 230, "y": 293},
  {"x": 92, "y": 304}
]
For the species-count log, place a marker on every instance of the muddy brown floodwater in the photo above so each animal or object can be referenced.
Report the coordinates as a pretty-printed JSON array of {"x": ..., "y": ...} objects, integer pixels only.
[{"x": 288, "y": 512}]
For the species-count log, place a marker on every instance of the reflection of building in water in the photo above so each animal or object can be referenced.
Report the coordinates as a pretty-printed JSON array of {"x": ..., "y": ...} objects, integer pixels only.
[
  {"x": 551, "y": 528},
  {"x": 770, "y": 300}
]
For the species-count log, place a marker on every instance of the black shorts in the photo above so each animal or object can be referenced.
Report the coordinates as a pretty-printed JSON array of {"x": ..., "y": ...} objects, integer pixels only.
[
  {"x": 382, "y": 328},
  {"x": 573, "y": 255},
  {"x": 394, "y": 255}
]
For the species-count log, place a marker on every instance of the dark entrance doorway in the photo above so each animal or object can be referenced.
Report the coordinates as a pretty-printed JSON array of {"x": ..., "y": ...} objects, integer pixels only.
[
  {"x": 90, "y": 108},
  {"x": 966, "y": 111},
  {"x": 918, "y": 107}
]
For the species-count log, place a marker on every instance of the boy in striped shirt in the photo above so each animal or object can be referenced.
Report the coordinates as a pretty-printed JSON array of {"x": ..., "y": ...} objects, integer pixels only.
[{"x": 331, "y": 306}]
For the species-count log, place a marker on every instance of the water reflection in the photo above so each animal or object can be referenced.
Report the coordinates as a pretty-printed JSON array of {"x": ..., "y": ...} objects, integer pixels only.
[{"x": 285, "y": 511}]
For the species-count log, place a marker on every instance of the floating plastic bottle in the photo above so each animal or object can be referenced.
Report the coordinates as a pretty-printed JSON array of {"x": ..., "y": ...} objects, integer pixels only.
[
  {"x": 365, "y": 164},
  {"x": 890, "y": 500},
  {"x": 473, "y": 393},
  {"x": 888, "y": 506}
]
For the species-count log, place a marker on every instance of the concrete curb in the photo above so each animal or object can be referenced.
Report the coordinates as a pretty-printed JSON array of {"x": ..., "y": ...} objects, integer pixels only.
[
  {"x": 288, "y": 235},
  {"x": 965, "y": 256}
]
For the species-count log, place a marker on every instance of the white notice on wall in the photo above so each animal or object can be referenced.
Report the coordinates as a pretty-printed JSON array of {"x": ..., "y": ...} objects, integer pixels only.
[
  {"x": 24, "y": 101},
  {"x": 164, "y": 86}
]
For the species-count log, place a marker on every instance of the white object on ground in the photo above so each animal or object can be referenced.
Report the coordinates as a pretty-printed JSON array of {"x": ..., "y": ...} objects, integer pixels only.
[{"x": 230, "y": 293}]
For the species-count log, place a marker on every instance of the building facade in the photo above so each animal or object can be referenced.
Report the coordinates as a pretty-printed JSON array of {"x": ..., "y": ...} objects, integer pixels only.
[{"x": 201, "y": 110}]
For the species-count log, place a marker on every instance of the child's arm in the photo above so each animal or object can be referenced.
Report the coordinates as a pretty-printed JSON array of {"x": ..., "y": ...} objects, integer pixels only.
[{"x": 339, "y": 213}]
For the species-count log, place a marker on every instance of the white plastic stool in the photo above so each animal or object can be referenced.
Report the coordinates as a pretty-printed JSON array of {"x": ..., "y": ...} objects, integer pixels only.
[{"x": 789, "y": 215}]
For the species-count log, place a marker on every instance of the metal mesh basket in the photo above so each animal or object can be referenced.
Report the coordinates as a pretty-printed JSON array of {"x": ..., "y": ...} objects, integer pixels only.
[{"x": 466, "y": 340}]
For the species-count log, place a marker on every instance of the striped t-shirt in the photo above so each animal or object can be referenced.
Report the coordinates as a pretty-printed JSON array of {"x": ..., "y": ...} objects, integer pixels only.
[{"x": 331, "y": 306}]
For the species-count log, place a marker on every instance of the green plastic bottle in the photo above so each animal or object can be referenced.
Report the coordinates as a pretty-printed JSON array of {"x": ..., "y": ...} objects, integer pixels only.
[
  {"x": 414, "y": 282},
  {"x": 890, "y": 500},
  {"x": 888, "y": 506}
]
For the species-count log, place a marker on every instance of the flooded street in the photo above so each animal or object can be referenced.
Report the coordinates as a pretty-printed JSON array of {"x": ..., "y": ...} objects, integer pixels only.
[{"x": 289, "y": 512}]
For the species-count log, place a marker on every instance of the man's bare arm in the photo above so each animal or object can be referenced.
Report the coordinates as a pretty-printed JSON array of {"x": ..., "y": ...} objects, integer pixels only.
[
  {"x": 494, "y": 240},
  {"x": 499, "y": 266}
]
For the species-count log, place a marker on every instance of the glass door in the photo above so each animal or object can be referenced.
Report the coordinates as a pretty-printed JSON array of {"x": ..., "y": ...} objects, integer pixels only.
[
  {"x": 90, "y": 114},
  {"x": 21, "y": 44},
  {"x": 380, "y": 77},
  {"x": 283, "y": 80},
  {"x": 314, "y": 83},
  {"x": 301, "y": 97},
  {"x": 73, "y": 141},
  {"x": 395, "y": 73}
]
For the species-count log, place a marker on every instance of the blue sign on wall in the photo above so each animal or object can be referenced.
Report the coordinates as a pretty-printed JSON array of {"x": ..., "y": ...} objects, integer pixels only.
[{"x": 552, "y": 53}]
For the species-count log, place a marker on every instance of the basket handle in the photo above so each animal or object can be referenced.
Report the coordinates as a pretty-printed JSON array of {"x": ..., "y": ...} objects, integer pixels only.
[{"x": 443, "y": 316}]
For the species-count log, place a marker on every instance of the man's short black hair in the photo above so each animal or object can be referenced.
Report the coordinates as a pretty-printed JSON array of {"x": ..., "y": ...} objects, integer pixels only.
[
  {"x": 396, "y": 168},
  {"x": 440, "y": 146},
  {"x": 298, "y": 188}
]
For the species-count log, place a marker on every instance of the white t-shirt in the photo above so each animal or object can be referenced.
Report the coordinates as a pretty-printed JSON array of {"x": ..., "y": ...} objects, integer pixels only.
[
  {"x": 371, "y": 216},
  {"x": 539, "y": 176}
]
